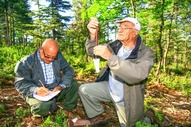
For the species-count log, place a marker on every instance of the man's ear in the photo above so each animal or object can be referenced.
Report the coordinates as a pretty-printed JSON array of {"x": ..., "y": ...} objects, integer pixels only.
[
  {"x": 41, "y": 53},
  {"x": 40, "y": 50},
  {"x": 135, "y": 33}
]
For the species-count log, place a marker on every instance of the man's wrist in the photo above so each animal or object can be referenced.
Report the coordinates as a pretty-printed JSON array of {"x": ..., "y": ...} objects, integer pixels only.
[
  {"x": 92, "y": 37},
  {"x": 63, "y": 85},
  {"x": 35, "y": 89}
]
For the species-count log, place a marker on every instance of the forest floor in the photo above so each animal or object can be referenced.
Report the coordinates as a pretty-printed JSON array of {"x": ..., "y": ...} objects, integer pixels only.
[{"x": 173, "y": 104}]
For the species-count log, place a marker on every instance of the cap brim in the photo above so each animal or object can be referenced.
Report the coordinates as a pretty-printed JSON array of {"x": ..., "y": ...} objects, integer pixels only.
[{"x": 123, "y": 20}]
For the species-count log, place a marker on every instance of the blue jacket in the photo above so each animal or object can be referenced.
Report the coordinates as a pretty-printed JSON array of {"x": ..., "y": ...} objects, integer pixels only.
[{"x": 28, "y": 72}]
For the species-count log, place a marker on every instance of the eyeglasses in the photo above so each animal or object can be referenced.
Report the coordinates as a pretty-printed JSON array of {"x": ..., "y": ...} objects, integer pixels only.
[
  {"x": 124, "y": 28},
  {"x": 49, "y": 57}
]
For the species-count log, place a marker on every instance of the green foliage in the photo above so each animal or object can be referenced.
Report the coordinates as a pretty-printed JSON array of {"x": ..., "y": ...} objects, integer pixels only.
[
  {"x": 60, "y": 120},
  {"x": 2, "y": 108},
  {"x": 159, "y": 116},
  {"x": 13, "y": 21},
  {"x": 9, "y": 122},
  {"x": 142, "y": 124},
  {"x": 181, "y": 83},
  {"x": 82, "y": 66},
  {"x": 174, "y": 78},
  {"x": 104, "y": 10},
  {"x": 147, "y": 103},
  {"x": 48, "y": 122},
  {"x": 188, "y": 74},
  {"x": 22, "y": 112},
  {"x": 9, "y": 57}
]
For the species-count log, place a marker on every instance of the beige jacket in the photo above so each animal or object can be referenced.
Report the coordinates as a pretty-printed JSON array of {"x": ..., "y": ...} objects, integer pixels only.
[{"x": 133, "y": 72}]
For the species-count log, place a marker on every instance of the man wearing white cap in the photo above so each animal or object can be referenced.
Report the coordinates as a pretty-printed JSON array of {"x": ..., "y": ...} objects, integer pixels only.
[{"x": 122, "y": 81}]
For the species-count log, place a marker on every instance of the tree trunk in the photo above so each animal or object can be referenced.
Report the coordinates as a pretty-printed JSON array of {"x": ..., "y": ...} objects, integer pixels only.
[
  {"x": 7, "y": 35},
  {"x": 160, "y": 40},
  {"x": 176, "y": 57},
  {"x": 176, "y": 43},
  {"x": 12, "y": 30},
  {"x": 186, "y": 56},
  {"x": 133, "y": 8},
  {"x": 53, "y": 33},
  {"x": 168, "y": 40}
]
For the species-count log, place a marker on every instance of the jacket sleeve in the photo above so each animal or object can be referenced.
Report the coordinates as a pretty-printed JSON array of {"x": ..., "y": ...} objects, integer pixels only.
[
  {"x": 67, "y": 70},
  {"x": 23, "y": 82},
  {"x": 132, "y": 72},
  {"x": 90, "y": 44}
]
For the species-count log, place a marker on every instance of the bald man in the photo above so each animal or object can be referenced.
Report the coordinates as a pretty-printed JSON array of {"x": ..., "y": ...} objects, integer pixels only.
[{"x": 44, "y": 71}]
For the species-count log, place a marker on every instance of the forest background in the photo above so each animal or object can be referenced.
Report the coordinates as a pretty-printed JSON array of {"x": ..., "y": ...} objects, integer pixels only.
[{"x": 165, "y": 27}]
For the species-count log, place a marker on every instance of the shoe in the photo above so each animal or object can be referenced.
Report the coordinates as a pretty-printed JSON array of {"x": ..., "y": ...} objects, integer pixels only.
[
  {"x": 35, "y": 121},
  {"x": 75, "y": 121},
  {"x": 99, "y": 120},
  {"x": 78, "y": 122}
]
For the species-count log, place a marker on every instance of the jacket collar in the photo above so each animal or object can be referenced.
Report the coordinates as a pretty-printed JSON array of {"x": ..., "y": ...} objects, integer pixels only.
[
  {"x": 116, "y": 45},
  {"x": 134, "y": 53}
]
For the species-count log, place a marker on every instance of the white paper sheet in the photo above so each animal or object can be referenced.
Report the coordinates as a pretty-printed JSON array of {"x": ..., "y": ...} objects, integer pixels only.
[{"x": 47, "y": 97}]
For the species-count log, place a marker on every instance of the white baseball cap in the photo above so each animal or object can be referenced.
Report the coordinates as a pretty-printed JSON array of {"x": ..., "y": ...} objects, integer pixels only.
[{"x": 132, "y": 20}]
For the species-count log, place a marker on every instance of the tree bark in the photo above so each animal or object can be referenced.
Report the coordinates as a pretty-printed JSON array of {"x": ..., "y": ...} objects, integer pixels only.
[
  {"x": 133, "y": 8},
  {"x": 160, "y": 40},
  {"x": 7, "y": 34},
  {"x": 169, "y": 36}
]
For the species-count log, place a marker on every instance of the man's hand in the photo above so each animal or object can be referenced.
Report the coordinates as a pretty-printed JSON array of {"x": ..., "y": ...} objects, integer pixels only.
[
  {"x": 42, "y": 91},
  {"x": 57, "y": 88},
  {"x": 103, "y": 51},
  {"x": 93, "y": 28}
]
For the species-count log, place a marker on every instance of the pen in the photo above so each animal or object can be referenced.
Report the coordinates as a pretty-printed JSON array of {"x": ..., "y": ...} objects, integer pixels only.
[{"x": 41, "y": 83}]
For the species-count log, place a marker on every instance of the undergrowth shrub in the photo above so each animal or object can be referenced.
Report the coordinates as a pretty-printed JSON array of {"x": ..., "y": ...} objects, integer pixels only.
[{"x": 9, "y": 57}]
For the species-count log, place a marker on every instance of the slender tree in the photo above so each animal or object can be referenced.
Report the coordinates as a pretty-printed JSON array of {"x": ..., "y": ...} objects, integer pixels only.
[
  {"x": 57, "y": 7},
  {"x": 14, "y": 17}
]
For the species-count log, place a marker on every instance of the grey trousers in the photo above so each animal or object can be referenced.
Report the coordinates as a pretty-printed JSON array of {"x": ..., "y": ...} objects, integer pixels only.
[{"x": 92, "y": 94}]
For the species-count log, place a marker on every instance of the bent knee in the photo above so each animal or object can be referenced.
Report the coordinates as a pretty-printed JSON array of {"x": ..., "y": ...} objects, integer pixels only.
[
  {"x": 43, "y": 108},
  {"x": 82, "y": 89}
]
